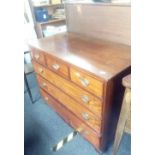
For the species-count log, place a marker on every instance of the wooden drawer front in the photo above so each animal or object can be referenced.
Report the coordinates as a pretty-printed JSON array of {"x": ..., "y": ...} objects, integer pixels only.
[
  {"x": 86, "y": 99},
  {"x": 72, "y": 120},
  {"x": 38, "y": 56},
  {"x": 73, "y": 106},
  {"x": 57, "y": 66},
  {"x": 92, "y": 85}
]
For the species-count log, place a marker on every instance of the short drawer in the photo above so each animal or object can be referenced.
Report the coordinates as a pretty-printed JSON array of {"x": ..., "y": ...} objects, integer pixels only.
[
  {"x": 73, "y": 121},
  {"x": 80, "y": 111},
  {"x": 38, "y": 56},
  {"x": 57, "y": 66},
  {"x": 87, "y": 82},
  {"x": 86, "y": 99}
]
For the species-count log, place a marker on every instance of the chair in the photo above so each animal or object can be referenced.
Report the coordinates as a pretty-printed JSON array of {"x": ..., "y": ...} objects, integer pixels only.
[
  {"x": 28, "y": 69},
  {"x": 124, "y": 122}
]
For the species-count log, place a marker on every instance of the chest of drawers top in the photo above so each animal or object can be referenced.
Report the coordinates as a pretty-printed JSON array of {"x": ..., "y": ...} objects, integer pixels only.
[{"x": 103, "y": 59}]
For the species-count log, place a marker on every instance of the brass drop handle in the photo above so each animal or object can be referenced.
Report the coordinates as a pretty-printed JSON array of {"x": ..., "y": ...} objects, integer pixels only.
[
  {"x": 85, "y": 116},
  {"x": 46, "y": 98},
  {"x": 40, "y": 70},
  {"x": 83, "y": 81},
  {"x": 55, "y": 66},
  {"x": 37, "y": 56},
  {"x": 85, "y": 98},
  {"x": 79, "y": 129}
]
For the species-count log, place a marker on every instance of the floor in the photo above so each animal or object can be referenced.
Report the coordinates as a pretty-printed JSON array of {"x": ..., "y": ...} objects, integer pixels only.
[{"x": 44, "y": 128}]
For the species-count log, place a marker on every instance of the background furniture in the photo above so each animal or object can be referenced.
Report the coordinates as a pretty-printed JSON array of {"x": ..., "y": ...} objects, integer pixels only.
[
  {"x": 124, "y": 123},
  {"x": 81, "y": 79},
  {"x": 40, "y": 27},
  {"x": 104, "y": 21},
  {"x": 28, "y": 69}
]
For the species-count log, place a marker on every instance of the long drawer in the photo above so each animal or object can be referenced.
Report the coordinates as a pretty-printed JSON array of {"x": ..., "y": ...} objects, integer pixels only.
[
  {"x": 72, "y": 120},
  {"x": 80, "y": 111},
  {"x": 83, "y": 97}
]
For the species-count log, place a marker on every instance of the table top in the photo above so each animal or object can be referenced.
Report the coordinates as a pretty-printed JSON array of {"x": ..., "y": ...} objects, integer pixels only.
[{"x": 102, "y": 58}]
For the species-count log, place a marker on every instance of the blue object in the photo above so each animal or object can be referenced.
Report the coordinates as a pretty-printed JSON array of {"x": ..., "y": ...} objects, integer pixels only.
[{"x": 41, "y": 15}]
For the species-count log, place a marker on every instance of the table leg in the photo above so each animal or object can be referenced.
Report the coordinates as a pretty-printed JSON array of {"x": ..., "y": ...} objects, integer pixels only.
[{"x": 122, "y": 120}]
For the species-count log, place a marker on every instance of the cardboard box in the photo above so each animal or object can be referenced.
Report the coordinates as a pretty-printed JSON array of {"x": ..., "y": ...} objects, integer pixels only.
[
  {"x": 41, "y": 2},
  {"x": 55, "y": 1}
]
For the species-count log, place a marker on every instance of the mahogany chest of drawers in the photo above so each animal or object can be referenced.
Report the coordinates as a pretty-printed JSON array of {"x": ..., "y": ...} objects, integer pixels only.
[{"x": 81, "y": 79}]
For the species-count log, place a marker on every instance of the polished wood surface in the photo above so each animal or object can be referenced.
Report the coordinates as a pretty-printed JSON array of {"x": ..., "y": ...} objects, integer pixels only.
[
  {"x": 71, "y": 119},
  {"x": 85, "y": 80},
  {"x": 75, "y": 107},
  {"x": 102, "y": 59},
  {"x": 102, "y": 21},
  {"x": 124, "y": 123}
]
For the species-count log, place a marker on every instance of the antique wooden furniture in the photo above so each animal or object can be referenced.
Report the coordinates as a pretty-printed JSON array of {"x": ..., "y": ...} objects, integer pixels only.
[
  {"x": 105, "y": 21},
  {"x": 51, "y": 7},
  {"x": 124, "y": 123},
  {"x": 81, "y": 79}
]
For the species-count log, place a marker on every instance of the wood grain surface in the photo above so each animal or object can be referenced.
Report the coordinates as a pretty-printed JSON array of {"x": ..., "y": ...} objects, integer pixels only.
[
  {"x": 101, "y": 59},
  {"x": 94, "y": 104},
  {"x": 80, "y": 111}
]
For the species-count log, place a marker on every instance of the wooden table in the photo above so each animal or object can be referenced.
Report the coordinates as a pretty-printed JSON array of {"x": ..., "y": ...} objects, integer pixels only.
[{"x": 124, "y": 123}]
